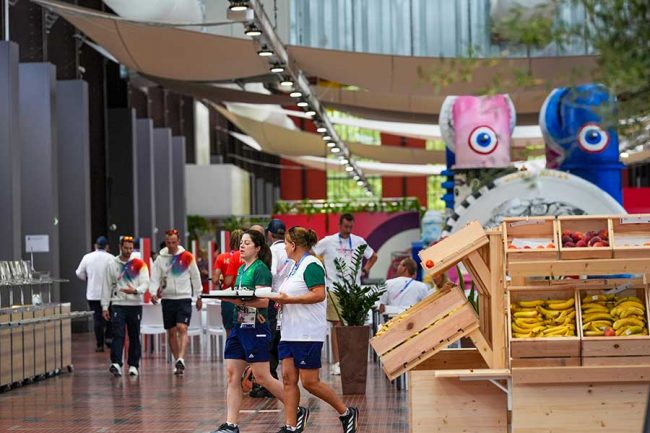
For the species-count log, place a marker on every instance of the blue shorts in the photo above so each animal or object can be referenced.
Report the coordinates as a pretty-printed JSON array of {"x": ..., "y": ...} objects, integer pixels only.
[
  {"x": 176, "y": 311},
  {"x": 305, "y": 354},
  {"x": 249, "y": 344}
]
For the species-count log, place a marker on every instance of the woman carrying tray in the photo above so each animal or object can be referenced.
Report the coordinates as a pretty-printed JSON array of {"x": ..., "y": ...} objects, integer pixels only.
[
  {"x": 303, "y": 327},
  {"x": 250, "y": 339}
]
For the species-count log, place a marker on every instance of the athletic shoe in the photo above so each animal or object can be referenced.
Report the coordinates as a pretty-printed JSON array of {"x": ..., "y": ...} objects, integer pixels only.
[
  {"x": 350, "y": 420},
  {"x": 286, "y": 429},
  {"x": 115, "y": 369},
  {"x": 227, "y": 428},
  {"x": 303, "y": 417},
  {"x": 259, "y": 391},
  {"x": 133, "y": 370},
  {"x": 336, "y": 369},
  {"x": 180, "y": 365}
]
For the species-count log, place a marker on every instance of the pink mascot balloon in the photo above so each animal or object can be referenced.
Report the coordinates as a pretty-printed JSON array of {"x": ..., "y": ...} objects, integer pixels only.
[{"x": 478, "y": 129}]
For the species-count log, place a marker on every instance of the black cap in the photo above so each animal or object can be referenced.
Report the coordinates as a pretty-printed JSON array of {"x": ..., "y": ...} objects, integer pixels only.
[
  {"x": 276, "y": 227},
  {"x": 101, "y": 241}
]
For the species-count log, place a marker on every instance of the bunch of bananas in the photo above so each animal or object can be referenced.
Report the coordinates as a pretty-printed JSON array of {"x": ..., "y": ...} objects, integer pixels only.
[
  {"x": 613, "y": 315},
  {"x": 544, "y": 318}
]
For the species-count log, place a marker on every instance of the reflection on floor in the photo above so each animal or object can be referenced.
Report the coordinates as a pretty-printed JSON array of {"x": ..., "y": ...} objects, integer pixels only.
[{"x": 91, "y": 400}]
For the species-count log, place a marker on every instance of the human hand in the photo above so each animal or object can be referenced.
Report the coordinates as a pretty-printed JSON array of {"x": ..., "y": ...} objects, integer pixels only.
[
  {"x": 199, "y": 304},
  {"x": 106, "y": 315}
]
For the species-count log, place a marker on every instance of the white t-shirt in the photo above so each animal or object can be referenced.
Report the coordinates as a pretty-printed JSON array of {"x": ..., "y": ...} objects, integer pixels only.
[
  {"x": 333, "y": 246},
  {"x": 302, "y": 322},
  {"x": 93, "y": 269},
  {"x": 404, "y": 291},
  {"x": 280, "y": 264}
]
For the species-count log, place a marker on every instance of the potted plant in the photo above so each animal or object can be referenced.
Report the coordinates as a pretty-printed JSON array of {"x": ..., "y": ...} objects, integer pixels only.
[{"x": 355, "y": 302}]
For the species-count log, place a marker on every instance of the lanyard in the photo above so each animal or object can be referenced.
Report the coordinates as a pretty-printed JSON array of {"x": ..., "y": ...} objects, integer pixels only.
[
  {"x": 242, "y": 271},
  {"x": 349, "y": 242},
  {"x": 408, "y": 283},
  {"x": 295, "y": 268}
]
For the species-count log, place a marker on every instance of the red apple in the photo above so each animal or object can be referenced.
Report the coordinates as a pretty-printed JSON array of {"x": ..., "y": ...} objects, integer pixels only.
[
  {"x": 581, "y": 243},
  {"x": 526, "y": 247},
  {"x": 603, "y": 234},
  {"x": 599, "y": 244},
  {"x": 569, "y": 245},
  {"x": 429, "y": 263},
  {"x": 576, "y": 236},
  {"x": 551, "y": 245},
  {"x": 594, "y": 241},
  {"x": 609, "y": 332}
]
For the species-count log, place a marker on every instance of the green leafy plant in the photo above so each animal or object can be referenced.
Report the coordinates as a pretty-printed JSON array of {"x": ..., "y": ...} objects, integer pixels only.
[
  {"x": 355, "y": 300},
  {"x": 472, "y": 297}
]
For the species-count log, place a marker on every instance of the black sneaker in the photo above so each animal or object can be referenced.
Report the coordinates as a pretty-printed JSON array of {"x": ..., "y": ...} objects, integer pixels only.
[
  {"x": 350, "y": 420},
  {"x": 259, "y": 391},
  {"x": 227, "y": 428},
  {"x": 285, "y": 429},
  {"x": 180, "y": 366},
  {"x": 301, "y": 420}
]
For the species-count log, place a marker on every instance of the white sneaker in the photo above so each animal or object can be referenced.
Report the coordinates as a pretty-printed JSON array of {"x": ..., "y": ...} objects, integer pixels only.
[
  {"x": 336, "y": 369},
  {"x": 133, "y": 371},
  {"x": 115, "y": 369}
]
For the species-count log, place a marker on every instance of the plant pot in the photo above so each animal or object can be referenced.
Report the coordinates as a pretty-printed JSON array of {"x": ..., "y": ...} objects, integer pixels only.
[{"x": 353, "y": 353}]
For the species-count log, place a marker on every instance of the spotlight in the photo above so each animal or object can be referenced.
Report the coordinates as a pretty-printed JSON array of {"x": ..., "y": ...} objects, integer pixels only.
[
  {"x": 295, "y": 94},
  {"x": 238, "y": 6},
  {"x": 331, "y": 144},
  {"x": 321, "y": 129},
  {"x": 310, "y": 113},
  {"x": 286, "y": 82},
  {"x": 359, "y": 182},
  {"x": 327, "y": 137},
  {"x": 349, "y": 168},
  {"x": 277, "y": 68},
  {"x": 356, "y": 177},
  {"x": 252, "y": 30},
  {"x": 343, "y": 161},
  {"x": 302, "y": 104},
  {"x": 335, "y": 150},
  {"x": 265, "y": 52}
]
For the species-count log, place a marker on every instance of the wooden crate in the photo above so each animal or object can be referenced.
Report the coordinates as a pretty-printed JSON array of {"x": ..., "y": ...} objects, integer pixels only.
[
  {"x": 631, "y": 236},
  {"x": 451, "y": 250},
  {"x": 50, "y": 340},
  {"x": 584, "y": 224},
  {"x": 5, "y": 349},
  {"x": 620, "y": 349},
  {"x": 39, "y": 343},
  {"x": 423, "y": 330},
  {"x": 66, "y": 337},
  {"x": 542, "y": 351},
  {"x": 16, "y": 347},
  {"x": 28, "y": 344},
  {"x": 530, "y": 238}
]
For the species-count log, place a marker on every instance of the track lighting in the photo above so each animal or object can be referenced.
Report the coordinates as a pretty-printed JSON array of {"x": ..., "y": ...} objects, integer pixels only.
[
  {"x": 238, "y": 6},
  {"x": 252, "y": 30},
  {"x": 302, "y": 104},
  {"x": 265, "y": 52},
  {"x": 335, "y": 150},
  {"x": 277, "y": 68},
  {"x": 326, "y": 137},
  {"x": 286, "y": 82},
  {"x": 331, "y": 144},
  {"x": 321, "y": 129},
  {"x": 310, "y": 113},
  {"x": 295, "y": 94}
]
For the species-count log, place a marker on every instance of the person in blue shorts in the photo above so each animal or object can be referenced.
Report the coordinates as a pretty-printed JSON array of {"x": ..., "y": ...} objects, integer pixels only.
[
  {"x": 250, "y": 338},
  {"x": 303, "y": 327}
]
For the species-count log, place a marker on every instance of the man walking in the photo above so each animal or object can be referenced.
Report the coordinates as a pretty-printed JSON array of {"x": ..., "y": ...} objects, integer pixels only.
[
  {"x": 127, "y": 279},
  {"x": 176, "y": 280},
  {"x": 341, "y": 245},
  {"x": 92, "y": 270}
]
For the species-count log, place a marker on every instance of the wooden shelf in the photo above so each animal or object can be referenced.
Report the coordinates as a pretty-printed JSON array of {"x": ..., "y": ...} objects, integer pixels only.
[
  {"x": 475, "y": 374},
  {"x": 580, "y": 267},
  {"x": 584, "y": 374}
]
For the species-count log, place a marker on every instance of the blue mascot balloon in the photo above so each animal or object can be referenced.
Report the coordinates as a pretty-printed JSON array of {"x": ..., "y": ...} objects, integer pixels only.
[{"x": 579, "y": 127}]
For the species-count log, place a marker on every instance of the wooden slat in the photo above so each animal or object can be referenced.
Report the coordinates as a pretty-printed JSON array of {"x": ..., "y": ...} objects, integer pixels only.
[
  {"x": 66, "y": 337},
  {"x": 428, "y": 342},
  {"x": 449, "y": 359},
  {"x": 545, "y": 362},
  {"x": 580, "y": 267},
  {"x": 422, "y": 316},
  {"x": 39, "y": 344},
  {"x": 454, "y": 248},
  {"x": 17, "y": 348},
  {"x": 482, "y": 345},
  {"x": 584, "y": 374},
  {"x": 479, "y": 271},
  {"x": 545, "y": 347},
  {"x": 498, "y": 313},
  {"x": 616, "y": 360},
  {"x": 5, "y": 351},
  {"x": 475, "y": 374},
  {"x": 616, "y": 346}
]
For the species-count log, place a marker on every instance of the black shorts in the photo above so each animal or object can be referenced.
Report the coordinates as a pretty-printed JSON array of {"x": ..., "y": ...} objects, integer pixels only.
[{"x": 176, "y": 311}]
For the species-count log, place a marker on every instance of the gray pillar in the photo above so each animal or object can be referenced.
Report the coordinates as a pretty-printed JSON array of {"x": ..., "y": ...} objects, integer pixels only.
[
  {"x": 39, "y": 168},
  {"x": 10, "y": 232},
  {"x": 162, "y": 140},
  {"x": 145, "y": 222},
  {"x": 178, "y": 186},
  {"x": 122, "y": 160},
  {"x": 74, "y": 185}
]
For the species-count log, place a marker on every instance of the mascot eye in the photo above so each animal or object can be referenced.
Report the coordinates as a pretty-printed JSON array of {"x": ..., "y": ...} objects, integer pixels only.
[
  {"x": 483, "y": 140},
  {"x": 592, "y": 138}
]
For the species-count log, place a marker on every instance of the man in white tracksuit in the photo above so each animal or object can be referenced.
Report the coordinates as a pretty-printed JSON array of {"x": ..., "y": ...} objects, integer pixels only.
[
  {"x": 175, "y": 279},
  {"x": 126, "y": 280}
]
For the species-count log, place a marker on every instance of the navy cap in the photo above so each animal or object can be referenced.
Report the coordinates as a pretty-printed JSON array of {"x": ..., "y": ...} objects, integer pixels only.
[
  {"x": 276, "y": 227},
  {"x": 101, "y": 241}
]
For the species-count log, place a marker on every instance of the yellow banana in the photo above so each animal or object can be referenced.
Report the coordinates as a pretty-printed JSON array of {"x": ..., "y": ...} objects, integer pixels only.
[
  {"x": 631, "y": 311},
  {"x": 519, "y": 330},
  {"x": 628, "y": 298},
  {"x": 531, "y": 304},
  {"x": 594, "y": 298},
  {"x": 527, "y": 325},
  {"x": 591, "y": 307},
  {"x": 596, "y": 316},
  {"x": 517, "y": 335},
  {"x": 627, "y": 304},
  {"x": 628, "y": 321},
  {"x": 556, "y": 301},
  {"x": 629, "y": 330},
  {"x": 562, "y": 306},
  {"x": 598, "y": 323},
  {"x": 551, "y": 314},
  {"x": 533, "y": 321},
  {"x": 526, "y": 314},
  {"x": 594, "y": 333}
]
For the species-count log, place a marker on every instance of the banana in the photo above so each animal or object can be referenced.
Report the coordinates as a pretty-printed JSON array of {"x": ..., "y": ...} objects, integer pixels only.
[
  {"x": 628, "y": 298},
  {"x": 554, "y": 329},
  {"x": 527, "y": 326},
  {"x": 594, "y": 333},
  {"x": 596, "y": 316},
  {"x": 563, "y": 306},
  {"x": 592, "y": 308},
  {"x": 517, "y": 335},
  {"x": 594, "y": 298},
  {"x": 629, "y": 330},
  {"x": 550, "y": 314},
  {"x": 627, "y": 304},
  {"x": 531, "y": 304},
  {"x": 556, "y": 301},
  {"x": 534, "y": 321},
  {"x": 519, "y": 330},
  {"x": 598, "y": 323},
  {"x": 628, "y": 321},
  {"x": 526, "y": 314},
  {"x": 631, "y": 311}
]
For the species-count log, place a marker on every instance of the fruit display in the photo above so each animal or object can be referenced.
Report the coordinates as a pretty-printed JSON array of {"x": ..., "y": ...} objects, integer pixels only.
[
  {"x": 543, "y": 318},
  {"x": 528, "y": 244},
  {"x": 577, "y": 239},
  {"x": 613, "y": 315}
]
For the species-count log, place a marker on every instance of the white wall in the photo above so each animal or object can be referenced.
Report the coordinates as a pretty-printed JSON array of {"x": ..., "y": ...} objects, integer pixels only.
[
  {"x": 217, "y": 190},
  {"x": 399, "y": 242},
  {"x": 201, "y": 133}
]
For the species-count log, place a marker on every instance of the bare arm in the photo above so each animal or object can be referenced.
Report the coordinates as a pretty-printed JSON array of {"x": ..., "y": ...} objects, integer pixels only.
[{"x": 315, "y": 295}]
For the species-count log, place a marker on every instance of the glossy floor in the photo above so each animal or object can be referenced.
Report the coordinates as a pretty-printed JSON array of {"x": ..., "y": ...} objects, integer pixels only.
[{"x": 91, "y": 400}]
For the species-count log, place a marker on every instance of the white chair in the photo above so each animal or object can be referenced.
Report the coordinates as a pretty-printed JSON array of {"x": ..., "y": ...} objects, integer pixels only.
[
  {"x": 214, "y": 327},
  {"x": 152, "y": 324},
  {"x": 196, "y": 327}
]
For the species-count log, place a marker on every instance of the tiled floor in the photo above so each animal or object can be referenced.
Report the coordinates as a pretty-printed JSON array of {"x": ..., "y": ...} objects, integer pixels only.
[{"x": 91, "y": 400}]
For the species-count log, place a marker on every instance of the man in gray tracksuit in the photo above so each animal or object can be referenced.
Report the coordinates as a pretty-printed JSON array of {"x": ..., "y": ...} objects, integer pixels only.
[
  {"x": 126, "y": 280},
  {"x": 175, "y": 279}
]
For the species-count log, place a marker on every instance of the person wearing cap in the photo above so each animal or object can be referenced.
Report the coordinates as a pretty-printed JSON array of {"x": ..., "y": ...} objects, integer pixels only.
[
  {"x": 92, "y": 269},
  {"x": 126, "y": 280}
]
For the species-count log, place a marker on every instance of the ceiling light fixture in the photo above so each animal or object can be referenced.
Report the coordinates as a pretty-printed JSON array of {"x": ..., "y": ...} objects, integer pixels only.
[
  {"x": 277, "y": 68},
  {"x": 321, "y": 129},
  {"x": 302, "y": 104},
  {"x": 359, "y": 182},
  {"x": 252, "y": 30},
  {"x": 310, "y": 113},
  {"x": 331, "y": 144},
  {"x": 286, "y": 82},
  {"x": 349, "y": 168},
  {"x": 238, "y": 6},
  {"x": 335, "y": 150},
  {"x": 265, "y": 52},
  {"x": 355, "y": 177},
  {"x": 295, "y": 94},
  {"x": 327, "y": 137}
]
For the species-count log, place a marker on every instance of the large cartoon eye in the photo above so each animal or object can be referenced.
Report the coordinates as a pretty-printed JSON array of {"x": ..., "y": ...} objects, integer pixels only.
[
  {"x": 483, "y": 140},
  {"x": 592, "y": 138}
]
